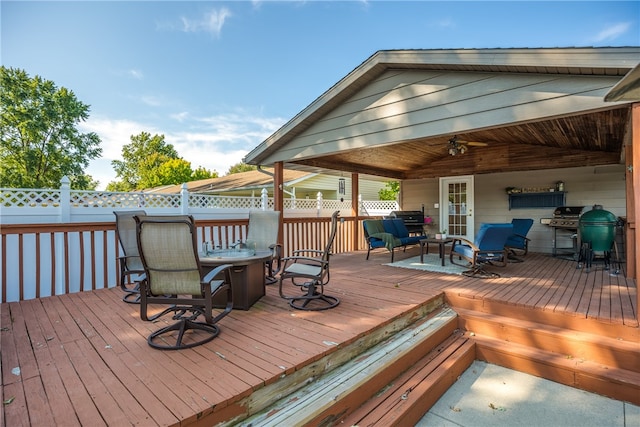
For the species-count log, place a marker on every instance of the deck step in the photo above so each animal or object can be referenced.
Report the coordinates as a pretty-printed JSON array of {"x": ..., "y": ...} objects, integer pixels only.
[
  {"x": 607, "y": 366},
  {"x": 329, "y": 398},
  {"x": 562, "y": 320},
  {"x": 617, "y": 353},
  {"x": 405, "y": 401}
]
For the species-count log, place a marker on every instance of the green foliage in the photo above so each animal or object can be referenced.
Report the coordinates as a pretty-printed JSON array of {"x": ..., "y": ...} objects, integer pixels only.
[
  {"x": 140, "y": 161},
  {"x": 39, "y": 141},
  {"x": 202, "y": 173},
  {"x": 173, "y": 171},
  {"x": 241, "y": 167},
  {"x": 149, "y": 161},
  {"x": 390, "y": 192}
]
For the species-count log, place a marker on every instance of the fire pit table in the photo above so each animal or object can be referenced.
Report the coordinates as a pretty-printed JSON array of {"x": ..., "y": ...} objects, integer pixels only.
[{"x": 247, "y": 274}]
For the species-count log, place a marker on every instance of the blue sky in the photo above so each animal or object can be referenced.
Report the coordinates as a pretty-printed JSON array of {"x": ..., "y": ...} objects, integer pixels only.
[{"x": 218, "y": 77}]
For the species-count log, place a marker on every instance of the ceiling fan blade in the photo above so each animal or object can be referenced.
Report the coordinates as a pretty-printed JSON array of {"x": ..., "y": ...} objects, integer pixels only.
[{"x": 475, "y": 143}]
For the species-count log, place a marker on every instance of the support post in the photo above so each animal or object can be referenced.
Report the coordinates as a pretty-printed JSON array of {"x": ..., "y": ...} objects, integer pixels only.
[
  {"x": 355, "y": 210},
  {"x": 278, "y": 197}
]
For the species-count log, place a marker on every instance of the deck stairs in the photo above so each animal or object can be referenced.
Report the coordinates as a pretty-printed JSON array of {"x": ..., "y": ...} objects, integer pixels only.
[
  {"x": 599, "y": 357},
  {"x": 395, "y": 380},
  {"x": 411, "y": 368}
]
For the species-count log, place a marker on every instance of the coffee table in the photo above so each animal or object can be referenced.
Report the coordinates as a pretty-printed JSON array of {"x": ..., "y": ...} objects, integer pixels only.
[
  {"x": 247, "y": 275},
  {"x": 440, "y": 242}
]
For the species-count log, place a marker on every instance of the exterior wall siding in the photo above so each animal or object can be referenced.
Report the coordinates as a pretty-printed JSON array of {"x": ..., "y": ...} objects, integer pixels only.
[
  {"x": 404, "y": 105},
  {"x": 584, "y": 186}
]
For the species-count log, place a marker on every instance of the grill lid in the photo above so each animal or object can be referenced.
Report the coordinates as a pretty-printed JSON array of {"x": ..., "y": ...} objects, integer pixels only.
[
  {"x": 568, "y": 211},
  {"x": 598, "y": 216}
]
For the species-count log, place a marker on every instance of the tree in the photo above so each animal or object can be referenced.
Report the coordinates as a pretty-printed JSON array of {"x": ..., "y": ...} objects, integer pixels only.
[
  {"x": 390, "y": 192},
  {"x": 148, "y": 161},
  {"x": 241, "y": 167},
  {"x": 140, "y": 160},
  {"x": 39, "y": 140},
  {"x": 173, "y": 171},
  {"x": 202, "y": 173}
]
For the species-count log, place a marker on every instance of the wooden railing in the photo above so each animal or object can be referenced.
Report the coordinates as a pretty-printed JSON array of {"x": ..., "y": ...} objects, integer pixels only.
[{"x": 40, "y": 260}]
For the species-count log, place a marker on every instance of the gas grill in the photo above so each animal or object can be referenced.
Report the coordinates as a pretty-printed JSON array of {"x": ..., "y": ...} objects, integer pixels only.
[
  {"x": 566, "y": 217},
  {"x": 413, "y": 220},
  {"x": 565, "y": 224}
]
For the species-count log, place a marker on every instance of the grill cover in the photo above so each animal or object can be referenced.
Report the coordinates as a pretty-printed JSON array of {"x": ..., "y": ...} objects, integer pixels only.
[{"x": 598, "y": 228}]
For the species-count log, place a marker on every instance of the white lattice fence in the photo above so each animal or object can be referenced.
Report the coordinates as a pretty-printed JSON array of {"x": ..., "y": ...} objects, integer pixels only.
[{"x": 65, "y": 205}]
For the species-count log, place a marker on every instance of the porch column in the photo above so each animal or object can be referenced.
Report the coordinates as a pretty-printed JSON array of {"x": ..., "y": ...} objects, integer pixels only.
[
  {"x": 278, "y": 197},
  {"x": 633, "y": 204},
  {"x": 355, "y": 209}
]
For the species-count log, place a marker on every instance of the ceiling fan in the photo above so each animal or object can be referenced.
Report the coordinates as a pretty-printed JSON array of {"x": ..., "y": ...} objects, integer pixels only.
[{"x": 458, "y": 146}]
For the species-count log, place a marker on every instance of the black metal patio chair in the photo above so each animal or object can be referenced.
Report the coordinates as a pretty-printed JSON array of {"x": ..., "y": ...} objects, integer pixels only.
[
  {"x": 130, "y": 265},
  {"x": 174, "y": 277},
  {"x": 308, "y": 269}
]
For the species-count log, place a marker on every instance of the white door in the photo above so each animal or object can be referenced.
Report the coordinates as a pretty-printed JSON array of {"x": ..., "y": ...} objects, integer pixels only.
[{"x": 456, "y": 206}]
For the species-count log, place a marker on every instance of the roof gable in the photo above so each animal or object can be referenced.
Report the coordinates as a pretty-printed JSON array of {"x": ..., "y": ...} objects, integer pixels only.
[{"x": 400, "y": 96}]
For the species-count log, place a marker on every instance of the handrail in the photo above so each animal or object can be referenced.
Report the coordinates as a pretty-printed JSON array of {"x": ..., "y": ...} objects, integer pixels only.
[{"x": 40, "y": 260}]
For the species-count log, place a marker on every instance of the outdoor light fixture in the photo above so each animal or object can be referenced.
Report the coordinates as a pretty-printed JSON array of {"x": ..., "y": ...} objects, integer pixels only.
[{"x": 341, "y": 186}]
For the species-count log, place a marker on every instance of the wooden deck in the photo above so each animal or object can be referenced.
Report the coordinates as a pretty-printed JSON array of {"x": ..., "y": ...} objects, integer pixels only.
[{"x": 82, "y": 359}]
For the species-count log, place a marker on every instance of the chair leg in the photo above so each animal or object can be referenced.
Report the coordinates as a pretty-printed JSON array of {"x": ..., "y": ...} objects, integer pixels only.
[
  {"x": 313, "y": 295},
  {"x": 166, "y": 339}
]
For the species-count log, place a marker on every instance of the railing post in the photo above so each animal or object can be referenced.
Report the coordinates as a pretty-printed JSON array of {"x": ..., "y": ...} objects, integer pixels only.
[
  {"x": 65, "y": 199},
  {"x": 184, "y": 203},
  {"x": 265, "y": 198},
  {"x": 319, "y": 203}
]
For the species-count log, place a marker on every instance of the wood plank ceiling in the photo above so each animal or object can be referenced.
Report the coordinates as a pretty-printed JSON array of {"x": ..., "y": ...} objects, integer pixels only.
[{"x": 590, "y": 139}]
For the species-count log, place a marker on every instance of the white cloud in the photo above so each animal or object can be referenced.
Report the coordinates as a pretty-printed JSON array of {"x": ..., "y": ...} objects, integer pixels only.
[
  {"x": 214, "y": 142},
  {"x": 136, "y": 74},
  {"x": 211, "y": 22},
  {"x": 180, "y": 117},
  {"x": 612, "y": 32}
]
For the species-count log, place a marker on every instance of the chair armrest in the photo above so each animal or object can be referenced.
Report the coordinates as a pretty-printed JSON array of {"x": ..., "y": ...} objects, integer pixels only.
[
  {"x": 462, "y": 240},
  {"x": 304, "y": 259},
  {"x": 210, "y": 276},
  {"x": 308, "y": 251}
]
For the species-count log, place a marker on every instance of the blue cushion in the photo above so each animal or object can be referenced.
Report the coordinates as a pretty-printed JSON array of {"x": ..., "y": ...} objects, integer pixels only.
[
  {"x": 492, "y": 237},
  {"x": 401, "y": 229},
  {"x": 521, "y": 227}
]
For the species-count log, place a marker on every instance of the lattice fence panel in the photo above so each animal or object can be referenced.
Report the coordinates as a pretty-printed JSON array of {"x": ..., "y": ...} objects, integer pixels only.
[{"x": 20, "y": 198}]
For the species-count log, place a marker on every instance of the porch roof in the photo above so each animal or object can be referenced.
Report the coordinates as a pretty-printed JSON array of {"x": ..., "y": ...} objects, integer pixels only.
[{"x": 393, "y": 115}]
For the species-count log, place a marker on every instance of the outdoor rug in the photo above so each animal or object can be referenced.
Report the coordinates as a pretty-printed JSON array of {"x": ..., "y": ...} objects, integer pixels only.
[{"x": 432, "y": 262}]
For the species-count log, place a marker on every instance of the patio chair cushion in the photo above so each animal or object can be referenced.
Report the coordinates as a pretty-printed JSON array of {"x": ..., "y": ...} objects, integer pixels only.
[
  {"x": 518, "y": 240},
  {"x": 489, "y": 243}
]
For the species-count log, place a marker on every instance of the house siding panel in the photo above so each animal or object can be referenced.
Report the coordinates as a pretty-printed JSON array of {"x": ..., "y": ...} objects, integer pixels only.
[
  {"x": 413, "y": 104},
  {"x": 585, "y": 186}
]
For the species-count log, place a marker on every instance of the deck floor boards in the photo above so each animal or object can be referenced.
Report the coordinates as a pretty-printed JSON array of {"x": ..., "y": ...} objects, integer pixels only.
[{"x": 84, "y": 359}]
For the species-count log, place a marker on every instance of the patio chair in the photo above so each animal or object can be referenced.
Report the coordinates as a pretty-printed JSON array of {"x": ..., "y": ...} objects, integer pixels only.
[
  {"x": 309, "y": 270},
  {"x": 518, "y": 243},
  {"x": 263, "y": 236},
  {"x": 174, "y": 277},
  {"x": 487, "y": 248},
  {"x": 131, "y": 268}
]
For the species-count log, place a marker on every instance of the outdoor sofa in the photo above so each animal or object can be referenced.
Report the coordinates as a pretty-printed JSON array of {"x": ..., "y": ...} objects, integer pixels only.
[{"x": 388, "y": 233}]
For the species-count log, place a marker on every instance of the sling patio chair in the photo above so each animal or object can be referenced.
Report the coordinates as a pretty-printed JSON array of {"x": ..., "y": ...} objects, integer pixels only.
[
  {"x": 309, "y": 270},
  {"x": 174, "y": 277},
  {"x": 486, "y": 249},
  {"x": 131, "y": 268},
  {"x": 263, "y": 236},
  {"x": 518, "y": 243}
]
